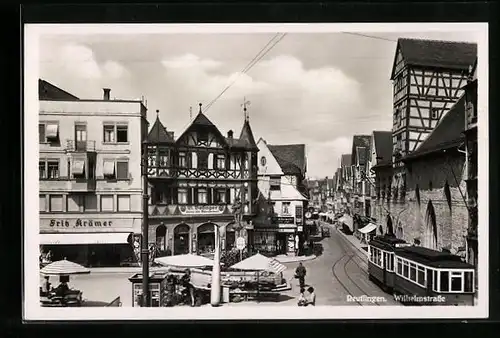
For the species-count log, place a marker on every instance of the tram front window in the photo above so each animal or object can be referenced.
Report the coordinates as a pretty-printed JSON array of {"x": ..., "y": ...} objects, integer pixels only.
[
  {"x": 456, "y": 281},
  {"x": 469, "y": 279}
]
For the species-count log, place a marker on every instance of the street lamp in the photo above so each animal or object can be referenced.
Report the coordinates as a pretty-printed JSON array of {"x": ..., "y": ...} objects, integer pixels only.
[
  {"x": 145, "y": 227},
  {"x": 215, "y": 289}
]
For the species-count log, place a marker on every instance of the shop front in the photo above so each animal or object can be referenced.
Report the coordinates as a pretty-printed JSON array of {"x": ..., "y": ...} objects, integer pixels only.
[{"x": 92, "y": 242}]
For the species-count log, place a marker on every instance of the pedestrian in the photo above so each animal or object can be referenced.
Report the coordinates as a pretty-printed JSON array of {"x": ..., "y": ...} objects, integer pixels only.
[
  {"x": 188, "y": 286},
  {"x": 311, "y": 297},
  {"x": 302, "y": 299},
  {"x": 300, "y": 273},
  {"x": 46, "y": 286}
]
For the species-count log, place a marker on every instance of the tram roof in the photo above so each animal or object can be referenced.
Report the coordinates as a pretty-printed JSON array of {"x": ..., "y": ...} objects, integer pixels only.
[
  {"x": 432, "y": 258},
  {"x": 386, "y": 242}
]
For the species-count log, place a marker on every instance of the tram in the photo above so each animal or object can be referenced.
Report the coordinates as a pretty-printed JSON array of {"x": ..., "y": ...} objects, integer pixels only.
[
  {"x": 381, "y": 260},
  {"x": 418, "y": 275}
]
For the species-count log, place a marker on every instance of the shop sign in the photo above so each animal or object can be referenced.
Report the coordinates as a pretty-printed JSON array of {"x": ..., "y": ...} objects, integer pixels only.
[
  {"x": 79, "y": 223},
  {"x": 284, "y": 220},
  {"x": 201, "y": 209},
  {"x": 309, "y": 222},
  {"x": 286, "y": 230}
]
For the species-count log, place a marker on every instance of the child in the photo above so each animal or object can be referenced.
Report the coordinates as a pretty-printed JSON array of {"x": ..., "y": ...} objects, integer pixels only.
[{"x": 302, "y": 299}]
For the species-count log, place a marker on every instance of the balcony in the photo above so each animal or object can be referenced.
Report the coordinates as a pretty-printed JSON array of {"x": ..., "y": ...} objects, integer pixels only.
[
  {"x": 80, "y": 146},
  {"x": 82, "y": 184}
]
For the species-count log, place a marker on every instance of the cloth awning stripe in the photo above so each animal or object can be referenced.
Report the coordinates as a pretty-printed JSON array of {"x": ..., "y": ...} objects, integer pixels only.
[
  {"x": 109, "y": 168},
  {"x": 64, "y": 267}
]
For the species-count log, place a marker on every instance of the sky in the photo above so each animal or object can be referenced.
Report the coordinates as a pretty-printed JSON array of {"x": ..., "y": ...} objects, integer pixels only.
[{"x": 318, "y": 89}]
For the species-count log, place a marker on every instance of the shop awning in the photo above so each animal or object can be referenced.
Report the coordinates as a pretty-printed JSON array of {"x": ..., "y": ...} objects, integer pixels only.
[
  {"x": 85, "y": 238},
  {"x": 368, "y": 228}
]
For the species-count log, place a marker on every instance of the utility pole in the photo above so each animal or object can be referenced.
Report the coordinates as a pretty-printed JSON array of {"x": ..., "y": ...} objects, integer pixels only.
[
  {"x": 145, "y": 226},
  {"x": 215, "y": 287}
]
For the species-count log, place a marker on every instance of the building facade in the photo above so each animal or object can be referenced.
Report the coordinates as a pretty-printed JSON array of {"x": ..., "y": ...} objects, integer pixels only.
[
  {"x": 90, "y": 177},
  {"x": 359, "y": 162},
  {"x": 281, "y": 229},
  {"x": 198, "y": 182}
]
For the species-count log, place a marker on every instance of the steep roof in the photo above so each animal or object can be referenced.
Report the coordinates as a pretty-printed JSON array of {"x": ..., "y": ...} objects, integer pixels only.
[
  {"x": 362, "y": 154},
  {"x": 290, "y": 157},
  {"x": 447, "y": 134},
  {"x": 159, "y": 134},
  {"x": 345, "y": 160},
  {"x": 48, "y": 91},
  {"x": 246, "y": 135},
  {"x": 383, "y": 146},
  {"x": 433, "y": 53},
  {"x": 359, "y": 141}
]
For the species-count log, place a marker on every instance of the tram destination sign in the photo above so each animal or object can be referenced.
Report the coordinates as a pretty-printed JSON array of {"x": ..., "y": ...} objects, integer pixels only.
[{"x": 79, "y": 223}]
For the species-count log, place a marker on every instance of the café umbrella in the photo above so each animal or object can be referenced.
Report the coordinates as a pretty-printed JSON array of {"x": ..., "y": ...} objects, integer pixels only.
[
  {"x": 63, "y": 268},
  {"x": 185, "y": 261}
]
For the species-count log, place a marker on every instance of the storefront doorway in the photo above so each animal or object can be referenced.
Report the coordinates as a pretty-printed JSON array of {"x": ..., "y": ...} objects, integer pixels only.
[
  {"x": 206, "y": 238},
  {"x": 181, "y": 239},
  {"x": 281, "y": 243},
  {"x": 161, "y": 237}
]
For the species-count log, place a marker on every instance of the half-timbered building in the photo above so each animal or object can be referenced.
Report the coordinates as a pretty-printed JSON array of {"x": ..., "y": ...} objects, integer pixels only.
[
  {"x": 359, "y": 161},
  {"x": 196, "y": 182}
]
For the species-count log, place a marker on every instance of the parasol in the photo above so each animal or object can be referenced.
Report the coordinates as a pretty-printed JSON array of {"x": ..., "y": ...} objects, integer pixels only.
[
  {"x": 64, "y": 268},
  {"x": 185, "y": 261},
  {"x": 259, "y": 262}
]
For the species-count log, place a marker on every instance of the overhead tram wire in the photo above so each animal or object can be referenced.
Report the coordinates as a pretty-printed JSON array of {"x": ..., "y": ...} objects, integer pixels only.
[
  {"x": 263, "y": 52},
  {"x": 370, "y": 36}
]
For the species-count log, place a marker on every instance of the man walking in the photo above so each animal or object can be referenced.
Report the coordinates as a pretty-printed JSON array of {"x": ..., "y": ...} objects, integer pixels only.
[{"x": 300, "y": 273}]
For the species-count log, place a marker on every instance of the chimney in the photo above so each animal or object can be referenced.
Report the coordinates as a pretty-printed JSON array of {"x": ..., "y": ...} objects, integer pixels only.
[
  {"x": 230, "y": 134},
  {"x": 105, "y": 96}
]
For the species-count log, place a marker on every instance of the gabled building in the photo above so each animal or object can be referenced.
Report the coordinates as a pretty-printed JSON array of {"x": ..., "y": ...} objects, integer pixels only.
[
  {"x": 359, "y": 161},
  {"x": 281, "y": 172},
  {"x": 196, "y": 181}
]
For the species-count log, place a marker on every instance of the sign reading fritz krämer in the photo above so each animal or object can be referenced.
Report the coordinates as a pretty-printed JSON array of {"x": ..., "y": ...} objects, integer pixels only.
[{"x": 79, "y": 223}]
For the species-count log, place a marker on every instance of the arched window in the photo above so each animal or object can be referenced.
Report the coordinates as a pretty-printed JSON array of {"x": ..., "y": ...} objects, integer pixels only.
[
  {"x": 430, "y": 232},
  {"x": 161, "y": 234},
  {"x": 181, "y": 239}
]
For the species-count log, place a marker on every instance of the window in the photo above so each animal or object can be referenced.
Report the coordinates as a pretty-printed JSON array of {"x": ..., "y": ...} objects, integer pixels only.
[
  {"x": 182, "y": 196},
  {"x": 413, "y": 272},
  {"x": 421, "y": 275},
  {"x": 48, "y": 169},
  {"x": 182, "y": 160},
  {"x": 107, "y": 203},
  {"x": 123, "y": 202},
  {"x": 221, "y": 161},
  {"x": 434, "y": 113},
  {"x": 115, "y": 133},
  {"x": 285, "y": 208},
  {"x": 75, "y": 202},
  {"x": 202, "y": 160},
  {"x": 121, "y": 134},
  {"x": 109, "y": 133},
  {"x": 122, "y": 170},
  {"x": 406, "y": 269},
  {"x": 456, "y": 282},
  {"x": 400, "y": 266},
  {"x": 469, "y": 281},
  {"x": 202, "y": 196},
  {"x": 435, "y": 280},
  {"x": 90, "y": 202},
  {"x": 220, "y": 196},
  {"x": 445, "y": 281},
  {"x": 56, "y": 203},
  {"x": 275, "y": 183},
  {"x": 48, "y": 132},
  {"x": 43, "y": 203},
  {"x": 109, "y": 169}
]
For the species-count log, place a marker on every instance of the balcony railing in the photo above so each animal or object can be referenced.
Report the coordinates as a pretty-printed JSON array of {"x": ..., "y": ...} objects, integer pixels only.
[
  {"x": 80, "y": 146},
  {"x": 197, "y": 173}
]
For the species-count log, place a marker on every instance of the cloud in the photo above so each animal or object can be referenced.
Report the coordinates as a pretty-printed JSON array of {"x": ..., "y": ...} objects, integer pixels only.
[
  {"x": 191, "y": 62},
  {"x": 114, "y": 70},
  {"x": 79, "y": 60}
]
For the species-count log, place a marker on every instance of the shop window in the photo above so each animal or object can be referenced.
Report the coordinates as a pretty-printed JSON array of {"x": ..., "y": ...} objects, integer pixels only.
[
  {"x": 56, "y": 203},
  {"x": 182, "y": 196},
  {"x": 107, "y": 203},
  {"x": 43, "y": 203},
  {"x": 123, "y": 202},
  {"x": 75, "y": 202},
  {"x": 445, "y": 281},
  {"x": 90, "y": 202}
]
